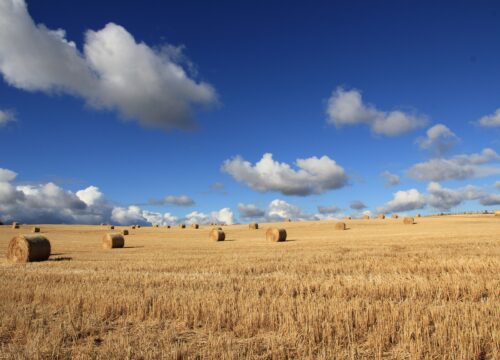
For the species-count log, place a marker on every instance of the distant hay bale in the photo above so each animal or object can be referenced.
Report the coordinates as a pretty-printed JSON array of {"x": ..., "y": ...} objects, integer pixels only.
[
  {"x": 111, "y": 227},
  {"x": 394, "y": 216},
  {"x": 195, "y": 226},
  {"x": 275, "y": 234},
  {"x": 217, "y": 235},
  {"x": 418, "y": 215},
  {"x": 103, "y": 224},
  {"x": 125, "y": 232},
  {"x": 408, "y": 220},
  {"x": 217, "y": 228},
  {"x": 15, "y": 225},
  {"x": 138, "y": 226},
  {"x": 340, "y": 226},
  {"x": 497, "y": 213},
  {"x": 113, "y": 240},
  {"x": 381, "y": 216},
  {"x": 133, "y": 227},
  {"x": 182, "y": 226},
  {"x": 27, "y": 248},
  {"x": 254, "y": 226},
  {"x": 366, "y": 217},
  {"x": 289, "y": 220},
  {"x": 35, "y": 230},
  {"x": 348, "y": 218},
  {"x": 157, "y": 226},
  {"x": 168, "y": 226}
]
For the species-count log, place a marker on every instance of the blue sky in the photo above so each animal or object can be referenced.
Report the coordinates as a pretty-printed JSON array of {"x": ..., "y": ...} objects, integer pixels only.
[{"x": 357, "y": 82}]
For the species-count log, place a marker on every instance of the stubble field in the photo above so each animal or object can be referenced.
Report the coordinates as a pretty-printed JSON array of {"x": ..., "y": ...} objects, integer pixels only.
[{"x": 381, "y": 289}]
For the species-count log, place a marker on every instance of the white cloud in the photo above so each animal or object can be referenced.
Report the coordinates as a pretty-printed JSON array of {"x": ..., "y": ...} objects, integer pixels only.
[
  {"x": 332, "y": 209},
  {"x": 181, "y": 200},
  {"x": 404, "y": 201},
  {"x": 391, "y": 179},
  {"x": 224, "y": 216},
  {"x": 90, "y": 196},
  {"x": 314, "y": 175},
  {"x": 128, "y": 215},
  {"x": 114, "y": 71},
  {"x": 439, "y": 139},
  {"x": 346, "y": 107},
  {"x": 497, "y": 184},
  {"x": 6, "y": 116},
  {"x": 7, "y": 175},
  {"x": 492, "y": 120},
  {"x": 459, "y": 167},
  {"x": 249, "y": 211}
]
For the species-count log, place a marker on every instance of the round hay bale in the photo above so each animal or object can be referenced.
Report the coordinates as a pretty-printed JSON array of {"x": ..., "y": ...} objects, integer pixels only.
[
  {"x": 27, "y": 248},
  {"x": 254, "y": 226},
  {"x": 195, "y": 226},
  {"x": 138, "y": 226},
  {"x": 418, "y": 215},
  {"x": 35, "y": 230},
  {"x": 275, "y": 234},
  {"x": 217, "y": 228},
  {"x": 157, "y": 226},
  {"x": 112, "y": 241},
  {"x": 348, "y": 218},
  {"x": 111, "y": 227},
  {"x": 1, "y": 223},
  {"x": 168, "y": 226},
  {"x": 133, "y": 227},
  {"x": 394, "y": 216},
  {"x": 381, "y": 216},
  {"x": 408, "y": 220},
  {"x": 340, "y": 226},
  {"x": 497, "y": 213},
  {"x": 217, "y": 235},
  {"x": 289, "y": 220},
  {"x": 366, "y": 217},
  {"x": 15, "y": 225},
  {"x": 125, "y": 232},
  {"x": 182, "y": 226}
]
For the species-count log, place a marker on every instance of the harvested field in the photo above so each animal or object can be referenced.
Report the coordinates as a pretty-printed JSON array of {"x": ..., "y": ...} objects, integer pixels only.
[{"x": 382, "y": 289}]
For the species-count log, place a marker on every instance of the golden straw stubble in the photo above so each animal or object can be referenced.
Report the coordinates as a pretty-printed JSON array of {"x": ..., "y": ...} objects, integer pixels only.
[
  {"x": 113, "y": 241},
  {"x": 217, "y": 235},
  {"x": 27, "y": 248},
  {"x": 275, "y": 234}
]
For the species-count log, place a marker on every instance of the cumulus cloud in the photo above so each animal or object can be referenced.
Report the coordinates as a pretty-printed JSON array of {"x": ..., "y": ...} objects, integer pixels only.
[
  {"x": 459, "y": 167},
  {"x": 404, "y": 200},
  {"x": 332, "y": 209},
  {"x": 492, "y": 120},
  {"x": 181, "y": 200},
  {"x": 113, "y": 72},
  {"x": 346, "y": 107},
  {"x": 357, "y": 205},
  {"x": 6, "y": 116},
  {"x": 314, "y": 175},
  {"x": 391, "y": 179},
  {"x": 224, "y": 216},
  {"x": 439, "y": 139},
  {"x": 45, "y": 203},
  {"x": 250, "y": 211},
  {"x": 444, "y": 199},
  {"x": 490, "y": 199}
]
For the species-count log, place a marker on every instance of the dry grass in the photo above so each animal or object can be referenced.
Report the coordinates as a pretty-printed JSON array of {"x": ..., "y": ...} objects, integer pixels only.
[{"x": 379, "y": 290}]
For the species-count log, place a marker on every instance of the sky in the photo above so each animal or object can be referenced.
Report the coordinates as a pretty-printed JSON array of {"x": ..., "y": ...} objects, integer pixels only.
[{"x": 166, "y": 112}]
